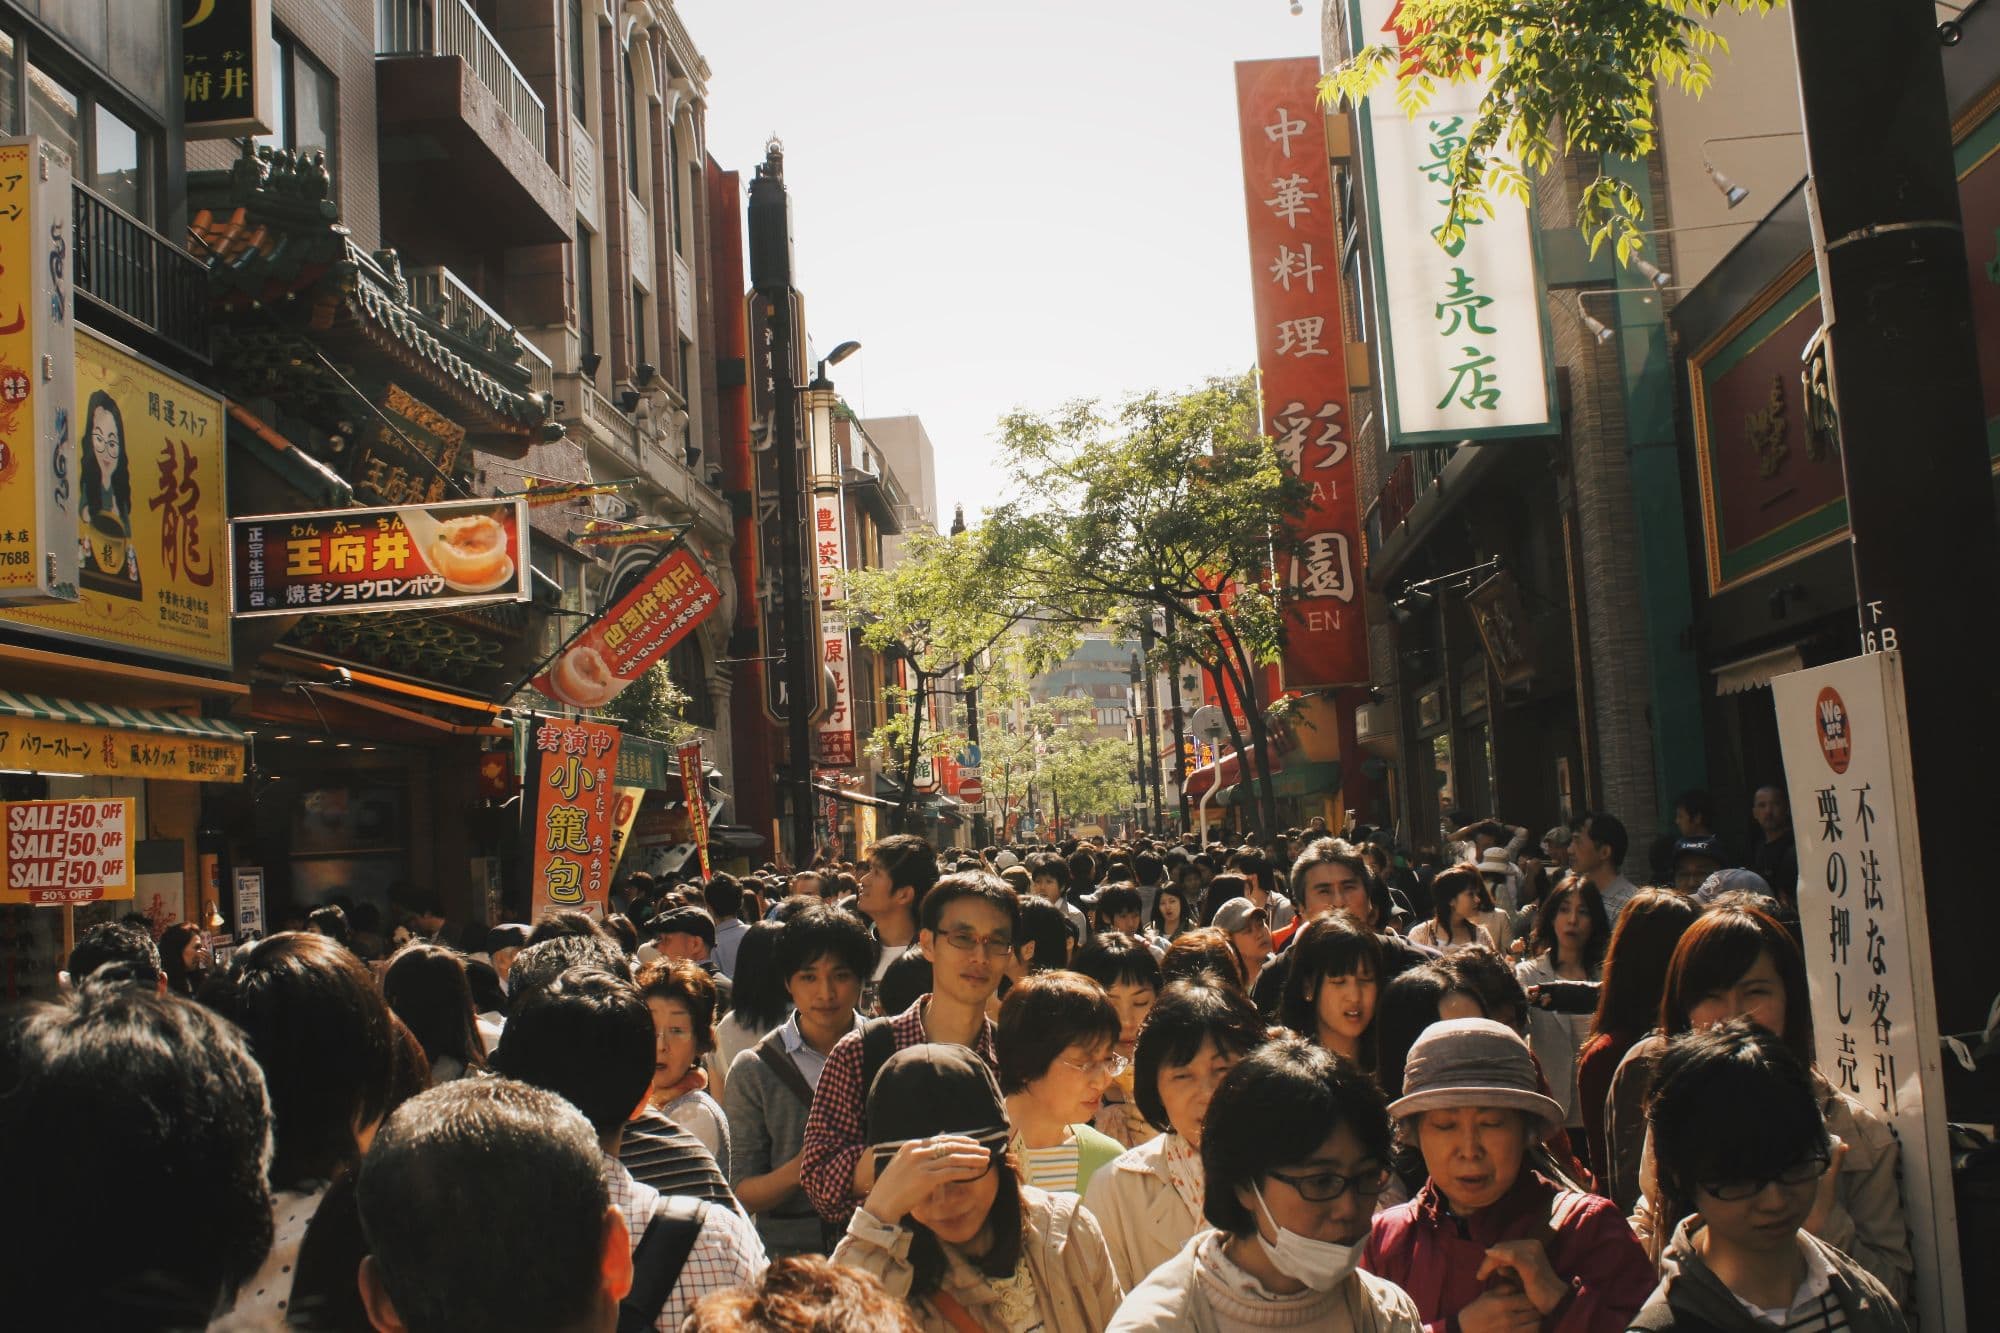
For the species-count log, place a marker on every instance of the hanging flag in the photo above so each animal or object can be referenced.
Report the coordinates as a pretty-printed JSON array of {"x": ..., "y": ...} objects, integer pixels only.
[
  {"x": 606, "y": 534},
  {"x": 555, "y": 492}
]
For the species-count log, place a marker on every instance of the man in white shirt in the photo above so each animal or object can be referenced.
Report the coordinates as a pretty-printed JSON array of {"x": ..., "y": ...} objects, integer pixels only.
[
  {"x": 1597, "y": 852},
  {"x": 724, "y": 896}
]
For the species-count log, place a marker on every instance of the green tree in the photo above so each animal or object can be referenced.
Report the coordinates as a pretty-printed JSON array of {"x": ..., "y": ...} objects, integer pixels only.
[
  {"x": 1575, "y": 76},
  {"x": 1168, "y": 503},
  {"x": 1086, "y": 774},
  {"x": 652, "y": 706}
]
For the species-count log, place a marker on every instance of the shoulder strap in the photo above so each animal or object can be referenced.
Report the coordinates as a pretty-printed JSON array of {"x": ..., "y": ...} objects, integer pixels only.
[
  {"x": 771, "y": 1050},
  {"x": 878, "y": 1043},
  {"x": 954, "y": 1314},
  {"x": 657, "y": 1261}
]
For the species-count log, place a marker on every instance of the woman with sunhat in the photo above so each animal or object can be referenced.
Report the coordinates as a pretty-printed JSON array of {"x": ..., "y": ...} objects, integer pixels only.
[{"x": 1489, "y": 1242}]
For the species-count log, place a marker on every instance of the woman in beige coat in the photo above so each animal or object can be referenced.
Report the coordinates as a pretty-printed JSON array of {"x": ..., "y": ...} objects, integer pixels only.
[
  {"x": 1149, "y": 1200},
  {"x": 948, "y": 1226}
]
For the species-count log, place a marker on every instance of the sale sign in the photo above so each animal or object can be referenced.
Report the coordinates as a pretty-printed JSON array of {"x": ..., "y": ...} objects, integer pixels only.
[
  {"x": 636, "y": 631},
  {"x": 573, "y": 767},
  {"x": 1302, "y": 359},
  {"x": 455, "y": 554},
  {"x": 61, "y": 853},
  {"x": 697, "y": 802}
]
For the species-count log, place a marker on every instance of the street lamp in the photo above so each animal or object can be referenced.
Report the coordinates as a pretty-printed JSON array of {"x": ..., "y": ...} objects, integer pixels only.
[{"x": 820, "y": 400}]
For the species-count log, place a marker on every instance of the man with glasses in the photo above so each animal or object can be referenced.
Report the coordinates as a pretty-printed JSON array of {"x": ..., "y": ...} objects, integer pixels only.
[{"x": 970, "y": 920}]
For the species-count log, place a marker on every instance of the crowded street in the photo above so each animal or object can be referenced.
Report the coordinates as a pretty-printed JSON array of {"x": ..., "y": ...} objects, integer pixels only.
[{"x": 1064, "y": 784}]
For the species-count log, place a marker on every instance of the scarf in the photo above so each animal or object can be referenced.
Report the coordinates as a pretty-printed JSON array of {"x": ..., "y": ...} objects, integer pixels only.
[{"x": 1184, "y": 1170}]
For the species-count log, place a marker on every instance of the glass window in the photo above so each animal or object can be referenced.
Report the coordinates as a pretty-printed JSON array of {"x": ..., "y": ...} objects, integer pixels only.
[
  {"x": 631, "y": 125},
  {"x": 638, "y": 324},
  {"x": 579, "y": 95},
  {"x": 308, "y": 101},
  {"x": 10, "y": 86},
  {"x": 687, "y": 387},
  {"x": 56, "y": 113},
  {"x": 586, "y": 298},
  {"x": 674, "y": 187},
  {"x": 119, "y": 170}
]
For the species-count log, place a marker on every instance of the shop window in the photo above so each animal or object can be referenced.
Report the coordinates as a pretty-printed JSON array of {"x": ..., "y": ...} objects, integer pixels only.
[{"x": 308, "y": 101}]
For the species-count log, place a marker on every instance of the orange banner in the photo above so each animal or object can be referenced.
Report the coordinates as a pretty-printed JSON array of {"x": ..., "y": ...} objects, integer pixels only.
[
  {"x": 637, "y": 631},
  {"x": 697, "y": 803},
  {"x": 572, "y": 766}
]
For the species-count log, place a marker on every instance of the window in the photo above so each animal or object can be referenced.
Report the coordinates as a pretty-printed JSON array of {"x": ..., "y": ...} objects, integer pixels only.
[
  {"x": 674, "y": 187},
  {"x": 631, "y": 138},
  {"x": 106, "y": 153},
  {"x": 686, "y": 386},
  {"x": 579, "y": 94},
  {"x": 10, "y": 85},
  {"x": 56, "y": 113},
  {"x": 586, "y": 295},
  {"x": 638, "y": 324},
  {"x": 308, "y": 100}
]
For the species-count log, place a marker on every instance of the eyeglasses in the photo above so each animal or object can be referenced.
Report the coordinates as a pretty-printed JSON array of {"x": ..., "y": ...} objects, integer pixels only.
[
  {"x": 1326, "y": 1186},
  {"x": 994, "y": 946},
  {"x": 1111, "y": 1066},
  {"x": 1799, "y": 1173}
]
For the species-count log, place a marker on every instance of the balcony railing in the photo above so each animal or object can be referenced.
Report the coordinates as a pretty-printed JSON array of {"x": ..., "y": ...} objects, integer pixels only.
[
  {"x": 1409, "y": 481},
  {"x": 439, "y": 293},
  {"x": 126, "y": 266},
  {"x": 450, "y": 28}
]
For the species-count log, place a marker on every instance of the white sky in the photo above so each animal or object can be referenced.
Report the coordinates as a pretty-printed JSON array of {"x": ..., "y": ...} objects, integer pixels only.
[{"x": 1008, "y": 204}]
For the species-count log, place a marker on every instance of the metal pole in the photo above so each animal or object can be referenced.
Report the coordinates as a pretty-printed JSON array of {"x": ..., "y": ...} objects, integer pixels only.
[
  {"x": 1152, "y": 717},
  {"x": 1180, "y": 729}
]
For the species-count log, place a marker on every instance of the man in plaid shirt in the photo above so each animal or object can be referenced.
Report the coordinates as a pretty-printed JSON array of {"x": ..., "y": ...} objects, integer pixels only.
[{"x": 969, "y": 924}]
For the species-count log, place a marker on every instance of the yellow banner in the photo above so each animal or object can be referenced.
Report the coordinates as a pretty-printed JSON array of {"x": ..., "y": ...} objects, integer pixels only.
[
  {"x": 152, "y": 536},
  {"x": 113, "y": 752},
  {"x": 38, "y": 433}
]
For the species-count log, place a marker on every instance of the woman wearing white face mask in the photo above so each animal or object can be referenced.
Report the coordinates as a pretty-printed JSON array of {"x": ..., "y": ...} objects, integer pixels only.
[{"x": 1293, "y": 1149}]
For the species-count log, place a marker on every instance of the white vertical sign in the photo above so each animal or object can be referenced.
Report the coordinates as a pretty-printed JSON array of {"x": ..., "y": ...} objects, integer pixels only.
[
  {"x": 836, "y": 722},
  {"x": 1460, "y": 332},
  {"x": 1868, "y": 956}
]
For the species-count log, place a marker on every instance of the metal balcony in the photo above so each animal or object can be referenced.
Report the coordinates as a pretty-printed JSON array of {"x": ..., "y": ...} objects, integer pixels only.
[
  {"x": 450, "y": 28},
  {"x": 127, "y": 268},
  {"x": 439, "y": 293}
]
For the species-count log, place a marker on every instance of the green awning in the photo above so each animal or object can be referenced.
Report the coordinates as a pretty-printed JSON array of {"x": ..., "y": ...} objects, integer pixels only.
[
  {"x": 1290, "y": 781},
  {"x": 46, "y": 708}
]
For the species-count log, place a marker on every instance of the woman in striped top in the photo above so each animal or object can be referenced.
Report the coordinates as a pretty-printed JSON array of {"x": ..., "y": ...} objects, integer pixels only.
[{"x": 1055, "y": 1044}]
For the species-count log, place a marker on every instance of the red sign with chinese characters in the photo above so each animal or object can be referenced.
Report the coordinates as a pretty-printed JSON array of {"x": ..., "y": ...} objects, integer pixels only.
[
  {"x": 697, "y": 803},
  {"x": 1302, "y": 354},
  {"x": 638, "y": 630},
  {"x": 572, "y": 767},
  {"x": 349, "y": 560}
]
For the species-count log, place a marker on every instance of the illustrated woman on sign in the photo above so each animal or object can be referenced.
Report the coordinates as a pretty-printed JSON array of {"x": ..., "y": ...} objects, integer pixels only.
[{"x": 110, "y": 562}]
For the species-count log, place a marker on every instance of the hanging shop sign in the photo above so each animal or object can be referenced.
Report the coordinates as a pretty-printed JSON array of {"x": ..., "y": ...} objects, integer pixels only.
[
  {"x": 697, "y": 803},
  {"x": 327, "y": 562},
  {"x": 636, "y": 631},
  {"x": 1504, "y": 629},
  {"x": 624, "y": 814},
  {"x": 61, "y": 853},
  {"x": 1461, "y": 328},
  {"x": 1302, "y": 361},
  {"x": 573, "y": 768},
  {"x": 228, "y": 87},
  {"x": 39, "y": 429},
  {"x": 1845, "y": 737},
  {"x": 836, "y": 720},
  {"x": 149, "y": 515}
]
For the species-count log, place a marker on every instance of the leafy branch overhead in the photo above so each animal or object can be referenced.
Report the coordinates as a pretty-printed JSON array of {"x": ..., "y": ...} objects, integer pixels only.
[{"x": 1576, "y": 76}]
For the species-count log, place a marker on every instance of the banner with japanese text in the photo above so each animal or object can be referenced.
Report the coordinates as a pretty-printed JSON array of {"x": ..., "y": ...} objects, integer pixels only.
[
  {"x": 572, "y": 775},
  {"x": 462, "y": 553},
  {"x": 836, "y": 720},
  {"x": 636, "y": 631},
  {"x": 61, "y": 853},
  {"x": 149, "y": 516},
  {"x": 1461, "y": 330},
  {"x": 39, "y": 430},
  {"x": 1846, "y": 744},
  {"x": 1302, "y": 363},
  {"x": 697, "y": 803},
  {"x": 229, "y": 75}
]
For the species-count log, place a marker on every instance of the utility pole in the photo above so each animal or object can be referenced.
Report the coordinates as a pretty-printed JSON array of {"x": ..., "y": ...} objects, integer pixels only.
[
  {"x": 771, "y": 278},
  {"x": 1152, "y": 717},
  {"x": 1180, "y": 726}
]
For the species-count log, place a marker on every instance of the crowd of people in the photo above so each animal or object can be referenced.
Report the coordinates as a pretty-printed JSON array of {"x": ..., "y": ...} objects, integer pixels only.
[{"x": 1297, "y": 1082}]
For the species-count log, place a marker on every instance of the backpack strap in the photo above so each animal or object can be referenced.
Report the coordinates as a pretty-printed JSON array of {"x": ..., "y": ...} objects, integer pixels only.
[
  {"x": 954, "y": 1313},
  {"x": 771, "y": 1050},
  {"x": 657, "y": 1261}
]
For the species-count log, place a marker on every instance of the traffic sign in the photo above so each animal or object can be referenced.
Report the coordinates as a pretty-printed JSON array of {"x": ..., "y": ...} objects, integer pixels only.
[{"x": 970, "y": 789}]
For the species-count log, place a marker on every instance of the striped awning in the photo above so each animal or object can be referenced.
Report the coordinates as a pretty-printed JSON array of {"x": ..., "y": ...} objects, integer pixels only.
[{"x": 47, "y": 708}]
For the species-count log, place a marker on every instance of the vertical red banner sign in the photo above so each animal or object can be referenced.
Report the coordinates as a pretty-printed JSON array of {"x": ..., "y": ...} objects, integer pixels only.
[
  {"x": 1302, "y": 354},
  {"x": 697, "y": 802},
  {"x": 572, "y": 767}
]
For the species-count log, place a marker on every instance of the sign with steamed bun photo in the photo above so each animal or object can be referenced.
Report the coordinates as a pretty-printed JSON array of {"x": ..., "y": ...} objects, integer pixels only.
[
  {"x": 636, "y": 631},
  {"x": 460, "y": 553}
]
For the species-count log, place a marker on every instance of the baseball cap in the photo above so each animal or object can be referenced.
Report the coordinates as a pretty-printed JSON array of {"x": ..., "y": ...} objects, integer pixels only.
[{"x": 1237, "y": 914}]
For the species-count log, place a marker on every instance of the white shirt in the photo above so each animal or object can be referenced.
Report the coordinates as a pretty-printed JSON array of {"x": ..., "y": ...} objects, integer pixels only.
[
  {"x": 261, "y": 1301},
  {"x": 726, "y": 1254},
  {"x": 811, "y": 1064},
  {"x": 1805, "y": 1301}
]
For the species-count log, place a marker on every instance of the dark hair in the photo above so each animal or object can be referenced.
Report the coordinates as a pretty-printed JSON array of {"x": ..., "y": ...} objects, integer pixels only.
[
  {"x": 904, "y": 982},
  {"x": 1274, "y": 1109},
  {"x": 1202, "y": 1008},
  {"x": 1717, "y": 950},
  {"x": 1114, "y": 958},
  {"x": 1043, "y": 1016},
  {"x": 508, "y": 935},
  {"x": 1340, "y": 852},
  {"x": 805, "y": 1294},
  {"x": 1254, "y": 865},
  {"x": 1203, "y": 949},
  {"x": 1489, "y": 978},
  {"x": 1147, "y": 867},
  {"x": 321, "y": 1032},
  {"x": 118, "y": 1102},
  {"x": 121, "y": 475},
  {"x": 1730, "y": 1103},
  {"x": 554, "y": 925},
  {"x": 1408, "y": 1005},
  {"x": 757, "y": 994},
  {"x": 1335, "y": 945},
  {"x": 541, "y": 963},
  {"x": 724, "y": 896},
  {"x": 678, "y": 981},
  {"x": 426, "y": 986},
  {"x": 114, "y": 944},
  {"x": 1221, "y": 888},
  {"x": 623, "y": 932},
  {"x": 521, "y": 1162},
  {"x": 330, "y": 920},
  {"x": 587, "y": 1036},
  {"x": 1635, "y": 965},
  {"x": 488, "y": 995},
  {"x": 820, "y": 930},
  {"x": 1114, "y": 900},
  {"x": 1699, "y": 805},
  {"x": 911, "y": 863},
  {"x": 1050, "y": 865},
  {"x": 1157, "y": 922},
  {"x": 173, "y": 944},
  {"x": 1608, "y": 831},
  {"x": 979, "y": 884},
  {"x": 1044, "y": 926},
  {"x": 1082, "y": 871},
  {"x": 1545, "y": 940}
]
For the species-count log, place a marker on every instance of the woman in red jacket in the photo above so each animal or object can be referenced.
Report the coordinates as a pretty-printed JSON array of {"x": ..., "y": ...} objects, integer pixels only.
[{"x": 1489, "y": 1243}]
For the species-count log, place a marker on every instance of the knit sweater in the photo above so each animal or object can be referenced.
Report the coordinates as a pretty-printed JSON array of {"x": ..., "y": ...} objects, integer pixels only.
[
  {"x": 767, "y": 1122},
  {"x": 1201, "y": 1289}
]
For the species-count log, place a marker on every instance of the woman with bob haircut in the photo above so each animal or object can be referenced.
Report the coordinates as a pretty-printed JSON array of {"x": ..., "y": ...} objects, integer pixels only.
[
  {"x": 1332, "y": 985},
  {"x": 1737, "y": 962},
  {"x": 427, "y": 988},
  {"x": 1054, "y": 1043},
  {"x": 1744, "y": 1161},
  {"x": 1571, "y": 933},
  {"x": 1130, "y": 975},
  {"x": 1293, "y": 1148},
  {"x": 1149, "y": 1201},
  {"x": 949, "y": 1227},
  {"x": 1565, "y": 1261},
  {"x": 682, "y": 1000},
  {"x": 1203, "y": 949},
  {"x": 1460, "y": 895},
  {"x": 1628, "y": 1005},
  {"x": 1173, "y": 914}
]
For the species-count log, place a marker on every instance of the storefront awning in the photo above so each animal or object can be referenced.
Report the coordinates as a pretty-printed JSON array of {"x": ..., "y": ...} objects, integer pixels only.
[
  {"x": 1752, "y": 673},
  {"x": 1293, "y": 781},
  {"x": 41, "y": 733}
]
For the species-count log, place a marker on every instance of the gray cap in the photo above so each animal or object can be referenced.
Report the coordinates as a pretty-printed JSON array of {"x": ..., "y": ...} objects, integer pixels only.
[
  {"x": 1559, "y": 836},
  {"x": 1238, "y": 913},
  {"x": 1474, "y": 1062}
]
